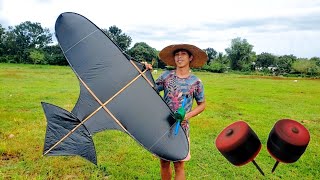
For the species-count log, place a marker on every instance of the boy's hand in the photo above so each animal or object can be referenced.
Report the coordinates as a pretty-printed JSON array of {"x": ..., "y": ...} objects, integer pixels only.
[
  {"x": 183, "y": 123},
  {"x": 148, "y": 66}
]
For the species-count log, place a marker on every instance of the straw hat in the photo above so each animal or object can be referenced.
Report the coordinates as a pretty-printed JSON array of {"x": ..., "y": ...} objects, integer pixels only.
[{"x": 199, "y": 56}]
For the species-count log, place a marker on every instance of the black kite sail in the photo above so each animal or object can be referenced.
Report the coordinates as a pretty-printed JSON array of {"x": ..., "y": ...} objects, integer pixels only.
[{"x": 115, "y": 93}]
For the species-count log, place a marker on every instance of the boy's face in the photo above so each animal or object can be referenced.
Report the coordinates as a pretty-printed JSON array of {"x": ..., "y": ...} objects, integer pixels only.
[{"x": 182, "y": 58}]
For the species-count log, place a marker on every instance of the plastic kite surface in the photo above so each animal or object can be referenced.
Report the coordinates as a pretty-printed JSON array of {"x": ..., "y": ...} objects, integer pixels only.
[{"x": 115, "y": 93}]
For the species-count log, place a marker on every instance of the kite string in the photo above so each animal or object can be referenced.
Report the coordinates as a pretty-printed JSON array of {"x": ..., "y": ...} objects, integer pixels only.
[
  {"x": 80, "y": 40},
  {"x": 160, "y": 137}
]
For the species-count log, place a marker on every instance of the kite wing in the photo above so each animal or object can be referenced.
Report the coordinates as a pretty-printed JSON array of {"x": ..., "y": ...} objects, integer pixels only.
[{"x": 115, "y": 92}]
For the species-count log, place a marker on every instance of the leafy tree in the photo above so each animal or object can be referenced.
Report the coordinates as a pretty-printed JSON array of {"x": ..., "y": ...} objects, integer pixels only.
[
  {"x": 240, "y": 54},
  {"x": 37, "y": 56},
  {"x": 215, "y": 66},
  {"x": 2, "y": 37},
  {"x": 219, "y": 65},
  {"x": 25, "y": 36},
  {"x": 160, "y": 64},
  {"x": 251, "y": 66},
  {"x": 32, "y": 35},
  {"x": 120, "y": 38},
  {"x": 54, "y": 55},
  {"x": 211, "y": 54},
  {"x": 265, "y": 60},
  {"x": 305, "y": 66},
  {"x": 316, "y": 60},
  {"x": 143, "y": 52},
  {"x": 2, "y": 44},
  {"x": 222, "y": 58},
  {"x": 9, "y": 42},
  {"x": 13, "y": 49},
  {"x": 2, "y": 32},
  {"x": 8, "y": 46},
  {"x": 284, "y": 63}
]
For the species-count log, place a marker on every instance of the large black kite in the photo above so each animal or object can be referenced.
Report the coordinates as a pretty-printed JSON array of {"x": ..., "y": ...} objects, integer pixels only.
[{"x": 115, "y": 93}]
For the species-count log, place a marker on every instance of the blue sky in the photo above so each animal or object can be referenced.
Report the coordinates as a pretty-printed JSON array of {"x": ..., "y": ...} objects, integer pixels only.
[{"x": 276, "y": 26}]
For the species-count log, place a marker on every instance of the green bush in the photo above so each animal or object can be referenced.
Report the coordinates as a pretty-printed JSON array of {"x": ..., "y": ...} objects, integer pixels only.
[{"x": 215, "y": 67}]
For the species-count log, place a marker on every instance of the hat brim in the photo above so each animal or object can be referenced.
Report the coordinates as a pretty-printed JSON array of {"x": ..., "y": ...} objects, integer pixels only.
[{"x": 199, "y": 56}]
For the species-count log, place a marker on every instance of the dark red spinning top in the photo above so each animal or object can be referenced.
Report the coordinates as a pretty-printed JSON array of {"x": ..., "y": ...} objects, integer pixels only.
[
  {"x": 287, "y": 141},
  {"x": 239, "y": 144}
]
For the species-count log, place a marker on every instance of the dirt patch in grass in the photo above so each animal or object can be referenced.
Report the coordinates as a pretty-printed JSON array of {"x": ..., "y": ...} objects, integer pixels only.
[
  {"x": 13, "y": 74},
  {"x": 278, "y": 78},
  {"x": 7, "y": 157},
  {"x": 265, "y": 77}
]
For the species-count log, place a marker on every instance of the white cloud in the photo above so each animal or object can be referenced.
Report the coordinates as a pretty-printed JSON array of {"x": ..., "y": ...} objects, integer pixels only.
[{"x": 275, "y": 26}]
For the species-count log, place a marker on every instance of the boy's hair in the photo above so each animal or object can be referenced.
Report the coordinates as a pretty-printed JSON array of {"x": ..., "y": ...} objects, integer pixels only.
[{"x": 177, "y": 50}]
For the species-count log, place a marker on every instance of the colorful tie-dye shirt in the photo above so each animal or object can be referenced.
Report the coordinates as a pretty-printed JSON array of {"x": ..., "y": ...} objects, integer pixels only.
[{"x": 176, "y": 90}]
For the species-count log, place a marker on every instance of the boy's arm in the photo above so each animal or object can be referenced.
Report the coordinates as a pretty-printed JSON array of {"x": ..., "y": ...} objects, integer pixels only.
[{"x": 197, "y": 110}]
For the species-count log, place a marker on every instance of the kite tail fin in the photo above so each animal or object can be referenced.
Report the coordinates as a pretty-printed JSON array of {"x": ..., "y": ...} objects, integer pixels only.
[{"x": 66, "y": 135}]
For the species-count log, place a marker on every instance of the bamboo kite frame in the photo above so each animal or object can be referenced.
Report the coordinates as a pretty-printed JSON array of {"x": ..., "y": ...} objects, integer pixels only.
[{"x": 102, "y": 105}]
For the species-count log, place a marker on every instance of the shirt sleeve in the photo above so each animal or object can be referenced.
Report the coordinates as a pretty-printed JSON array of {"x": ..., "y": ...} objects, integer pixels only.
[
  {"x": 199, "y": 92},
  {"x": 159, "y": 83}
]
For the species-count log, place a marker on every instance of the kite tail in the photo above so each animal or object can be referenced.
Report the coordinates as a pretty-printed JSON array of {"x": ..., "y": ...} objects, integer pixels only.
[{"x": 66, "y": 135}]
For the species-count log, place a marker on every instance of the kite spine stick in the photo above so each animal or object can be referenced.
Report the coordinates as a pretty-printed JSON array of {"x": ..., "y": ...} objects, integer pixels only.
[{"x": 142, "y": 73}]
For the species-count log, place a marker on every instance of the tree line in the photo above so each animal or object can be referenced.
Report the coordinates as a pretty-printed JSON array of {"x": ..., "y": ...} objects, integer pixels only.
[{"x": 30, "y": 43}]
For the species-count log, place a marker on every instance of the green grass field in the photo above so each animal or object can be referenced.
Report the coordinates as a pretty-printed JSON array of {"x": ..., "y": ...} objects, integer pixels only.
[{"x": 260, "y": 101}]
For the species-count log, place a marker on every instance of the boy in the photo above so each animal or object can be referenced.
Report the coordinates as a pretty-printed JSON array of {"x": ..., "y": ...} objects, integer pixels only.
[{"x": 181, "y": 85}]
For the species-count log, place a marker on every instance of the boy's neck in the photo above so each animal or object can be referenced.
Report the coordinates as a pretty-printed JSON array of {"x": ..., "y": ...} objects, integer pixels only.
[{"x": 183, "y": 72}]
